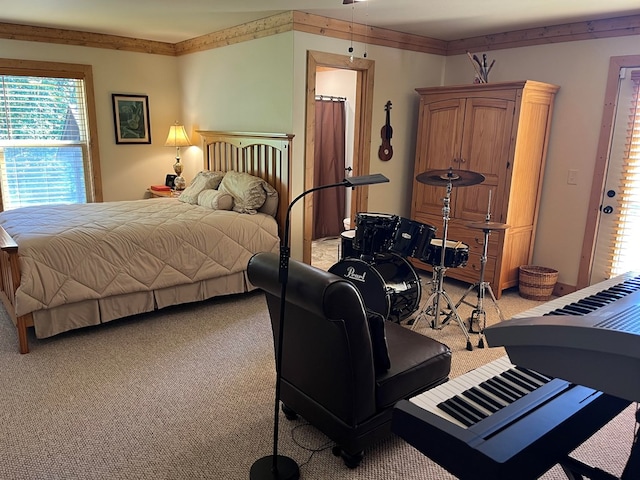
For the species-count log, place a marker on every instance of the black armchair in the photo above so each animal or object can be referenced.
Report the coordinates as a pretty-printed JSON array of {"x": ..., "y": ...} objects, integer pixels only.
[{"x": 342, "y": 370}]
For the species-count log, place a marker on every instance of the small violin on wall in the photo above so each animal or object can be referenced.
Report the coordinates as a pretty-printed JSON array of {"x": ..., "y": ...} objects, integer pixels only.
[{"x": 385, "y": 152}]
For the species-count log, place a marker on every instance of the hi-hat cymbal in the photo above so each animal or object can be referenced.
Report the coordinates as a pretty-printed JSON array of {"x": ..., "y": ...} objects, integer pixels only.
[
  {"x": 457, "y": 178},
  {"x": 488, "y": 225}
]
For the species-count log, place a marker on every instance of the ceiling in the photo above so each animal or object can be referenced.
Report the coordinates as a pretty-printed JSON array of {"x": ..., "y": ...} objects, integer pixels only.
[{"x": 174, "y": 21}]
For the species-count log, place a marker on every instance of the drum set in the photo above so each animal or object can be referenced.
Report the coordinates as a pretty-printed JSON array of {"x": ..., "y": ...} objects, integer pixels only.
[{"x": 374, "y": 258}]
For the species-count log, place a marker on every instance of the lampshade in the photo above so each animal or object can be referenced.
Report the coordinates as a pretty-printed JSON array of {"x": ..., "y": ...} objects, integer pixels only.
[{"x": 177, "y": 137}]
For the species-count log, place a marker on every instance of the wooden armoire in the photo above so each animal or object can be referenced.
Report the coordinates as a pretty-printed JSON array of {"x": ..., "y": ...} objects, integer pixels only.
[{"x": 501, "y": 131}]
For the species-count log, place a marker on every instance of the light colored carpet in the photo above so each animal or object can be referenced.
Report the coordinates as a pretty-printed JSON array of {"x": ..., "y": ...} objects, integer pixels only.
[{"x": 187, "y": 393}]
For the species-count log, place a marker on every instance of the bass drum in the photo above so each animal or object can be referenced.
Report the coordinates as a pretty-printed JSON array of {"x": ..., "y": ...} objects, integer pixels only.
[{"x": 389, "y": 285}]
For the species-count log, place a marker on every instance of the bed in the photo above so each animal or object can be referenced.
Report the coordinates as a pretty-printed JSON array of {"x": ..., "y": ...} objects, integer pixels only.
[{"x": 64, "y": 267}]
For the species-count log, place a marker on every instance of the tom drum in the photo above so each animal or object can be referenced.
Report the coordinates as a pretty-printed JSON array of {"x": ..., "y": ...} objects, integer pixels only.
[
  {"x": 374, "y": 232},
  {"x": 411, "y": 237}
]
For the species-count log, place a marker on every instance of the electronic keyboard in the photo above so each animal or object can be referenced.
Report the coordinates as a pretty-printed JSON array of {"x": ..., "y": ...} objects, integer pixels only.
[{"x": 505, "y": 421}]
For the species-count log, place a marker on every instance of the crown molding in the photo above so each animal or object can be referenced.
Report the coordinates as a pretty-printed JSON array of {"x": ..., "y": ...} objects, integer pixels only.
[
  {"x": 329, "y": 27},
  {"x": 29, "y": 33},
  {"x": 567, "y": 32}
]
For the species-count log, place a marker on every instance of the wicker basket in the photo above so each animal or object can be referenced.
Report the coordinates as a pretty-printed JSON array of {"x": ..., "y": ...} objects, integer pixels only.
[{"x": 536, "y": 283}]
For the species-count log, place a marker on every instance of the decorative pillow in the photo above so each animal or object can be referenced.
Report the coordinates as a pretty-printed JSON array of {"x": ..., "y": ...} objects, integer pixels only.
[
  {"x": 248, "y": 191},
  {"x": 381, "y": 361},
  {"x": 270, "y": 206},
  {"x": 215, "y": 200},
  {"x": 204, "y": 180}
]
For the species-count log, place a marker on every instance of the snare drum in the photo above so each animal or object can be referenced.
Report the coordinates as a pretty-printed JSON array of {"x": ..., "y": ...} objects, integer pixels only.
[
  {"x": 389, "y": 285},
  {"x": 456, "y": 254},
  {"x": 374, "y": 232},
  {"x": 411, "y": 237}
]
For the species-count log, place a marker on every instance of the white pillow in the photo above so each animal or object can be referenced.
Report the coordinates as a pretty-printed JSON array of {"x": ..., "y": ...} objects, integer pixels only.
[
  {"x": 215, "y": 199},
  {"x": 203, "y": 180},
  {"x": 248, "y": 191}
]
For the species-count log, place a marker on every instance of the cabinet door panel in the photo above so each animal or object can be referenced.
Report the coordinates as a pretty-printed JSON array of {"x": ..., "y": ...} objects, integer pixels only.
[
  {"x": 485, "y": 150},
  {"x": 442, "y": 126}
]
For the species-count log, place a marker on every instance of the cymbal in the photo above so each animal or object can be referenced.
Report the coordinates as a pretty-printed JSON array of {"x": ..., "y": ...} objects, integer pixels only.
[
  {"x": 488, "y": 225},
  {"x": 457, "y": 178}
]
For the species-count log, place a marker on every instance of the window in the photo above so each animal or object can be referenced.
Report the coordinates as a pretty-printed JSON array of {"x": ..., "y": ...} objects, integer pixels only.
[{"x": 46, "y": 125}]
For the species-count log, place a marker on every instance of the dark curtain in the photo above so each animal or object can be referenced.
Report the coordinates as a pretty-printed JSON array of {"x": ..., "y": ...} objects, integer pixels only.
[{"x": 329, "y": 204}]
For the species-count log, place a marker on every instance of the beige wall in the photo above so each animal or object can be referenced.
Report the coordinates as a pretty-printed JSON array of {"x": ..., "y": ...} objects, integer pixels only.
[
  {"x": 127, "y": 170},
  {"x": 580, "y": 69},
  {"x": 243, "y": 87},
  {"x": 260, "y": 86}
]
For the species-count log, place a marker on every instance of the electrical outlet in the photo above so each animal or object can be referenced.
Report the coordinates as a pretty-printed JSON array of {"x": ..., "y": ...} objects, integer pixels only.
[{"x": 572, "y": 177}]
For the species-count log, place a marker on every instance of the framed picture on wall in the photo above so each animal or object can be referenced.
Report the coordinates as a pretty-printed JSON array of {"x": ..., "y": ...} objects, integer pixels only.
[{"x": 131, "y": 118}]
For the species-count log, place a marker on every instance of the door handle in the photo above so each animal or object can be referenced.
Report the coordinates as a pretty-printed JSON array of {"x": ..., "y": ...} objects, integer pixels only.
[{"x": 608, "y": 209}]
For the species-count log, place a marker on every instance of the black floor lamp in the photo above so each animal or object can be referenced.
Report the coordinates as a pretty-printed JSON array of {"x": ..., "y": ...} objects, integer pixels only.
[{"x": 279, "y": 467}]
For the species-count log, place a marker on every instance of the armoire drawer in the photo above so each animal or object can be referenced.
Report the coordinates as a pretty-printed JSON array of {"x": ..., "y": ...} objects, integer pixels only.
[{"x": 471, "y": 271}]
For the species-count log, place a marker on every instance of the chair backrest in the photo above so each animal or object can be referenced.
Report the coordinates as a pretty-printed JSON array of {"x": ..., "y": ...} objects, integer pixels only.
[{"x": 327, "y": 350}]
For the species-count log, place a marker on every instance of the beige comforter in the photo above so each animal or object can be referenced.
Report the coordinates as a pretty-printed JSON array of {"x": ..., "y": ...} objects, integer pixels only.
[{"x": 72, "y": 253}]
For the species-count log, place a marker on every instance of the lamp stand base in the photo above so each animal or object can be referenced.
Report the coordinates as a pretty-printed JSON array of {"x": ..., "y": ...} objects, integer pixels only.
[{"x": 262, "y": 469}]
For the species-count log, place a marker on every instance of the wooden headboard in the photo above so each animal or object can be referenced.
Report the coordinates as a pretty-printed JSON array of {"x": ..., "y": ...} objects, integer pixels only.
[{"x": 265, "y": 155}]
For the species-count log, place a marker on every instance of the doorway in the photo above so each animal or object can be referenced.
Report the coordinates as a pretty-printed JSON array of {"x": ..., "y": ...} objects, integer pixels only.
[
  {"x": 363, "y": 104},
  {"x": 600, "y": 222}
]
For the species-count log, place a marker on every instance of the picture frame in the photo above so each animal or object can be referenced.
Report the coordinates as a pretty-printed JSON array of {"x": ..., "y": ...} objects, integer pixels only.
[
  {"x": 169, "y": 179},
  {"x": 131, "y": 119}
]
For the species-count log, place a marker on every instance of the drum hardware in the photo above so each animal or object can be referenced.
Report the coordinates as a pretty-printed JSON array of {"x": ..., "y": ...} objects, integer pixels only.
[
  {"x": 479, "y": 315},
  {"x": 445, "y": 178}
]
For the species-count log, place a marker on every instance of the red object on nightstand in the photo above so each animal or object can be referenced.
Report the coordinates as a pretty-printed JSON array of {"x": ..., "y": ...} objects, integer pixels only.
[{"x": 160, "y": 188}]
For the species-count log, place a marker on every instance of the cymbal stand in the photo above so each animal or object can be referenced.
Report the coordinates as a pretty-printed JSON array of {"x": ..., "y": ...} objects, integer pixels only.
[
  {"x": 479, "y": 315},
  {"x": 432, "y": 306}
]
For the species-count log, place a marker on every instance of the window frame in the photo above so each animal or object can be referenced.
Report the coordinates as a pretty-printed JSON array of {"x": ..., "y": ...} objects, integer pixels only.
[{"x": 93, "y": 179}]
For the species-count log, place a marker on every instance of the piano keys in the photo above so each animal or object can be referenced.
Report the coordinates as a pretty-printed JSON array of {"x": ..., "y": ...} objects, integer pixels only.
[
  {"x": 528, "y": 434},
  {"x": 592, "y": 341},
  {"x": 596, "y": 295},
  {"x": 481, "y": 393},
  {"x": 522, "y": 439}
]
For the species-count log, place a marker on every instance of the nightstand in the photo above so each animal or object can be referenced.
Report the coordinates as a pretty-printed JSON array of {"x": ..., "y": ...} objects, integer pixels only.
[{"x": 163, "y": 193}]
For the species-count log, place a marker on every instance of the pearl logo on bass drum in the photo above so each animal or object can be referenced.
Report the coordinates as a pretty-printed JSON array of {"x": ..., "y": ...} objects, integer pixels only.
[{"x": 352, "y": 275}]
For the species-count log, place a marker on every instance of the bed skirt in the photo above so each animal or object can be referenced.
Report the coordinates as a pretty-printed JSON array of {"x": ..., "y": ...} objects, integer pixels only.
[{"x": 53, "y": 321}]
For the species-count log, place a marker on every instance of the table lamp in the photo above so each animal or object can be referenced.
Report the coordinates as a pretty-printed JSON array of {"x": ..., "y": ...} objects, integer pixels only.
[{"x": 178, "y": 138}]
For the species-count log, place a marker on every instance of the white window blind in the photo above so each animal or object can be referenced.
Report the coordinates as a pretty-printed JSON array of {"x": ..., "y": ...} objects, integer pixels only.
[
  {"x": 43, "y": 140},
  {"x": 624, "y": 253}
]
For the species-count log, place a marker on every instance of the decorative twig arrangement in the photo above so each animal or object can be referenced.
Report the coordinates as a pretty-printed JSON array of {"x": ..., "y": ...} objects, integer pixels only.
[{"x": 481, "y": 68}]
